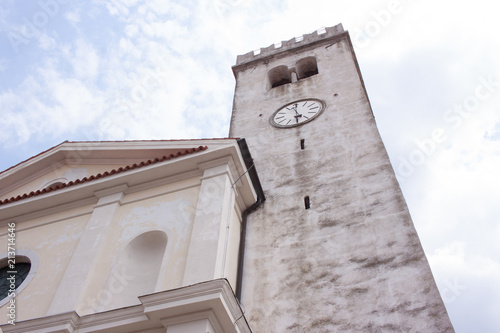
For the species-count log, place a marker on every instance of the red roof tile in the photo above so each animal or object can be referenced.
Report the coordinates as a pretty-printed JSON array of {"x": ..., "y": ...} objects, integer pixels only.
[{"x": 104, "y": 174}]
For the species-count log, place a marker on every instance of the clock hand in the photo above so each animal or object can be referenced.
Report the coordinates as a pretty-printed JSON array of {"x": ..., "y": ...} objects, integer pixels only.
[{"x": 297, "y": 114}]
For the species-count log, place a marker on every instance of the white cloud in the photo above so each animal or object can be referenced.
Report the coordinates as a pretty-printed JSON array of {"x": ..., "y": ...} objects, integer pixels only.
[
  {"x": 455, "y": 259},
  {"x": 131, "y": 30},
  {"x": 85, "y": 60},
  {"x": 46, "y": 42},
  {"x": 73, "y": 16}
]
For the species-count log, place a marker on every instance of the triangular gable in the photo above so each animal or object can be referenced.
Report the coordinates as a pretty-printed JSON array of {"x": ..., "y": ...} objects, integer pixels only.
[{"x": 72, "y": 163}]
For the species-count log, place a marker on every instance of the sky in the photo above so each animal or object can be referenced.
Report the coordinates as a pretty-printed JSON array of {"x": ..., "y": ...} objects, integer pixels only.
[{"x": 160, "y": 69}]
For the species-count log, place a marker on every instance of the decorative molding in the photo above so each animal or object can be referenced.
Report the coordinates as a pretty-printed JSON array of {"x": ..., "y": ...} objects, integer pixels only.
[
  {"x": 164, "y": 181},
  {"x": 112, "y": 190},
  {"x": 56, "y": 209},
  {"x": 207, "y": 314},
  {"x": 232, "y": 171},
  {"x": 216, "y": 295},
  {"x": 159, "y": 194},
  {"x": 110, "y": 196},
  {"x": 60, "y": 323},
  {"x": 211, "y": 300},
  {"x": 133, "y": 316}
]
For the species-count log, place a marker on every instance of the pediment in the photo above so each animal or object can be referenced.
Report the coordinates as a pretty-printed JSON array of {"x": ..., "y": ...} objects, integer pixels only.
[
  {"x": 86, "y": 170},
  {"x": 73, "y": 161}
]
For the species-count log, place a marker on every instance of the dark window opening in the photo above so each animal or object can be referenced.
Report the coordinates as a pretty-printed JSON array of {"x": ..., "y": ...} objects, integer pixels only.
[
  {"x": 279, "y": 76},
  {"x": 306, "y": 67},
  {"x": 302, "y": 143},
  {"x": 307, "y": 202},
  {"x": 22, "y": 269}
]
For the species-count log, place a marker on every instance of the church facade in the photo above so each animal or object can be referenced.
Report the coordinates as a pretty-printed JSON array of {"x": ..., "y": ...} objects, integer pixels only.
[{"x": 297, "y": 226}]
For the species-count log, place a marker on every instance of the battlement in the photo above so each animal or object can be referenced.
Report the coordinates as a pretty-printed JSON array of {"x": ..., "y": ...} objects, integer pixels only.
[{"x": 317, "y": 35}]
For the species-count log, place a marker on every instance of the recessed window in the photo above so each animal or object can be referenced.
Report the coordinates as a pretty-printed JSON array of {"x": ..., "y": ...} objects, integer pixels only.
[
  {"x": 279, "y": 76},
  {"x": 282, "y": 74},
  {"x": 307, "y": 202},
  {"x": 12, "y": 277},
  {"x": 306, "y": 67},
  {"x": 26, "y": 266}
]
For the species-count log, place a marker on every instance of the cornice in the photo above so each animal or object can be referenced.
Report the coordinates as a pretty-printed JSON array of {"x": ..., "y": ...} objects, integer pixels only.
[
  {"x": 60, "y": 323},
  {"x": 211, "y": 300}
]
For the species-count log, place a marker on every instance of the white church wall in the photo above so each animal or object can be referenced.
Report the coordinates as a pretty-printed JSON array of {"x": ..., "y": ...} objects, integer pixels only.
[
  {"x": 171, "y": 213},
  {"x": 53, "y": 238}
]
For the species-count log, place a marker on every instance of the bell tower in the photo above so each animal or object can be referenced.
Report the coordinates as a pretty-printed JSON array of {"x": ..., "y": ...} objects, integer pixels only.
[{"x": 333, "y": 248}]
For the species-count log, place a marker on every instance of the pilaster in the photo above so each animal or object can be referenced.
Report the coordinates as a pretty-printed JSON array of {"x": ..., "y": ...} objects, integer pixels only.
[
  {"x": 80, "y": 270},
  {"x": 206, "y": 256}
]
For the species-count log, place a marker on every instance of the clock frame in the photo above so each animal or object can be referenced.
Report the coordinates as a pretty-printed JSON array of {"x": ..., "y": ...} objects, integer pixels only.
[{"x": 297, "y": 113}]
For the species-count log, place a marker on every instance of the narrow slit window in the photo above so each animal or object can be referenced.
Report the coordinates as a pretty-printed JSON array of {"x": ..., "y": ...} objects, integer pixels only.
[
  {"x": 307, "y": 202},
  {"x": 302, "y": 143}
]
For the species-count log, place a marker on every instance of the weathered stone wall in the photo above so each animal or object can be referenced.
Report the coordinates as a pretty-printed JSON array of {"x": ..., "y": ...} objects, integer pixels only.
[{"x": 353, "y": 261}]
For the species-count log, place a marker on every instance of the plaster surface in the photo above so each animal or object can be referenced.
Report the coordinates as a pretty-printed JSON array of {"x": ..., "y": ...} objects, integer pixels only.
[{"x": 353, "y": 261}]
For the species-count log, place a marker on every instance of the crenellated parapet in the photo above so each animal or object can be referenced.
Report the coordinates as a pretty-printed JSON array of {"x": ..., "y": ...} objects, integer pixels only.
[{"x": 273, "y": 49}]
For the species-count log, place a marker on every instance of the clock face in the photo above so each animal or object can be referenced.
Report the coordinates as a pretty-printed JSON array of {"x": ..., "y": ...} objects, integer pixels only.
[{"x": 297, "y": 113}]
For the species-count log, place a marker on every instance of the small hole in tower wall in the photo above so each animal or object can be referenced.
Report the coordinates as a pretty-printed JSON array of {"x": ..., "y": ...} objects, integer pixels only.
[
  {"x": 302, "y": 143},
  {"x": 307, "y": 202}
]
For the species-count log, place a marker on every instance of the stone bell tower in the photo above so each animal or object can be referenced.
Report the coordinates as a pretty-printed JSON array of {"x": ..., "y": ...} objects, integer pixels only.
[{"x": 333, "y": 248}]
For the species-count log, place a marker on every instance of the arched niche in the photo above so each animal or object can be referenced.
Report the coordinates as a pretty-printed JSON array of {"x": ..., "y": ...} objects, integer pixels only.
[
  {"x": 54, "y": 183},
  {"x": 306, "y": 67},
  {"x": 135, "y": 271},
  {"x": 279, "y": 75}
]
